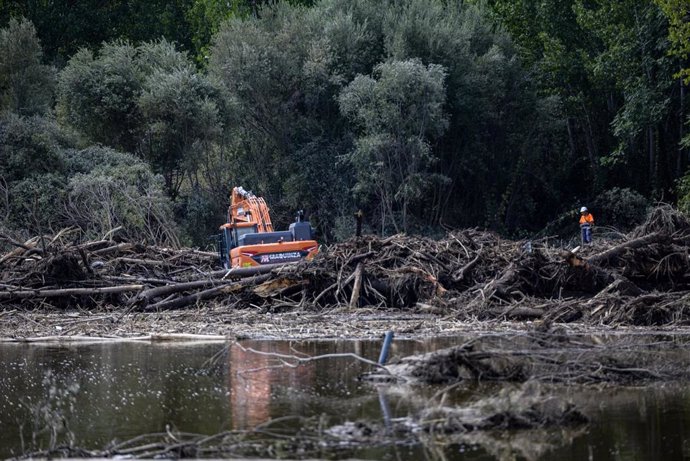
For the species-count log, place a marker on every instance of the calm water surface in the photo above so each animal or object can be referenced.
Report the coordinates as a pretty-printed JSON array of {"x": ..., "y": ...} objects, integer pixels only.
[{"x": 106, "y": 392}]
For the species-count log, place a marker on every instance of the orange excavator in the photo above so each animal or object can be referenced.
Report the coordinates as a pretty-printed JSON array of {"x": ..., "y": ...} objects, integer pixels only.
[{"x": 248, "y": 238}]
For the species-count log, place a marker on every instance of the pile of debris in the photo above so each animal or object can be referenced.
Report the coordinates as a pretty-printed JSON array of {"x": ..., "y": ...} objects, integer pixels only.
[
  {"x": 545, "y": 356},
  {"x": 641, "y": 279}
]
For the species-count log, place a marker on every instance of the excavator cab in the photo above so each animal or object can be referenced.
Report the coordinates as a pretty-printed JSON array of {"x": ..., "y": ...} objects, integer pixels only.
[{"x": 248, "y": 238}]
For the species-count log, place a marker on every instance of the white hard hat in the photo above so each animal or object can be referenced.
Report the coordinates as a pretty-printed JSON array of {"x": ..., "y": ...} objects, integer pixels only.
[{"x": 583, "y": 209}]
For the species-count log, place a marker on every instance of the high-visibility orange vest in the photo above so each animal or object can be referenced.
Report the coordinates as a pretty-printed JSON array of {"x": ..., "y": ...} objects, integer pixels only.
[{"x": 586, "y": 218}]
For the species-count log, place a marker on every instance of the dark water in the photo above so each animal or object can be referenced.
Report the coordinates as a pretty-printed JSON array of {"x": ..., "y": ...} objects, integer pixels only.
[{"x": 90, "y": 395}]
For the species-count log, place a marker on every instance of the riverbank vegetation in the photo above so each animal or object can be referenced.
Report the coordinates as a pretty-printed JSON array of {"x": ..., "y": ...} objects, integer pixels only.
[{"x": 422, "y": 113}]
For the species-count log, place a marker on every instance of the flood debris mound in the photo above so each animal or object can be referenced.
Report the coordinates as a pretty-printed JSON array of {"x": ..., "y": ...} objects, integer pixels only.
[
  {"x": 553, "y": 357},
  {"x": 640, "y": 279},
  {"x": 56, "y": 271}
]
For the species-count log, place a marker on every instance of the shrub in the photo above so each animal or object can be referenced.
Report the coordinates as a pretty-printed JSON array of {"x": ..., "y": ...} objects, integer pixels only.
[
  {"x": 35, "y": 203},
  {"x": 125, "y": 196},
  {"x": 620, "y": 208}
]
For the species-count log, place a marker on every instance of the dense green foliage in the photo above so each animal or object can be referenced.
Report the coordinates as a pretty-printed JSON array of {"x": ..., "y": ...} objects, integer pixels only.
[
  {"x": 147, "y": 100},
  {"x": 422, "y": 113},
  {"x": 400, "y": 113}
]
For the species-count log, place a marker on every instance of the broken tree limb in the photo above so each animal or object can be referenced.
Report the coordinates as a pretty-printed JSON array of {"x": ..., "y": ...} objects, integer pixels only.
[
  {"x": 360, "y": 257},
  {"x": 143, "y": 262},
  {"x": 460, "y": 275},
  {"x": 10, "y": 240},
  {"x": 23, "y": 250},
  {"x": 354, "y": 299},
  {"x": 277, "y": 286}
]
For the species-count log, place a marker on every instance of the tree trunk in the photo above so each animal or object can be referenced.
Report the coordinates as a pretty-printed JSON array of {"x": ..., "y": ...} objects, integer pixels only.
[
  {"x": 571, "y": 138},
  {"x": 681, "y": 127},
  {"x": 651, "y": 157}
]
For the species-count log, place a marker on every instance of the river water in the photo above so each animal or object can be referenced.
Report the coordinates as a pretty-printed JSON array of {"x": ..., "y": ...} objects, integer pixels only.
[{"x": 90, "y": 395}]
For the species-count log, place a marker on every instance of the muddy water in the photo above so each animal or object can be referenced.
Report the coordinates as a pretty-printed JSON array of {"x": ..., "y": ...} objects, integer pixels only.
[{"x": 90, "y": 395}]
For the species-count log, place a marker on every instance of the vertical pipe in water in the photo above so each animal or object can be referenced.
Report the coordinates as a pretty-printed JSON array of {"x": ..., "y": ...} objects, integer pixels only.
[{"x": 387, "y": 340}]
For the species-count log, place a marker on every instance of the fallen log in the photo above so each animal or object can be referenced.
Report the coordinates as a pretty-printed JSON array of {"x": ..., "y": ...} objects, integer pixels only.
[
  {"x": 21, "y": 245},
  {"x": 27, "y": 294},
  {"x": 114, "y": 249},
  {"x": 605, "y": 257},
  {"x": 143, "y": 262},
  {"x": 459, "y": 276},
  {"x": 146, "y": 296},
  {"x": 22, "y": 249},
  {"x": 246, "y": 271},
  {"x": 185, "y": 301},
  {"x": 277, "y": 286}
]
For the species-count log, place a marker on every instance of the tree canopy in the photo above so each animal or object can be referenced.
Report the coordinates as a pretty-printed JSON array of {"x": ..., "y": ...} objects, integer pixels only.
[{"x": 422, "y": 113}]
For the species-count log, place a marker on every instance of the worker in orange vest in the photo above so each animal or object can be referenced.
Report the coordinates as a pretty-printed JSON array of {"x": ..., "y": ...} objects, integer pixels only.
[{"x": 586, "y": 223}]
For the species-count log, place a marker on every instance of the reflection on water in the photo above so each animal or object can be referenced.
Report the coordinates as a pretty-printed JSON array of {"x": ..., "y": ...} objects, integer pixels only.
[
  {"x": 90, "y": 395},
  {"x": 255, "y": 379}
]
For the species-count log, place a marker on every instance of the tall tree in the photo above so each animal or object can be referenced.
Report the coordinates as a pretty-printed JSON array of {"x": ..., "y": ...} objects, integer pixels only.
[
  {"x": 181, "y": 120},
  {"x": 678, "y": 14},
  {"x": 26, "y": 84},
  {"x": 97, "y": 95},
  {"x": 634, "y": 59},
  {"x": 400, "y": 110}
]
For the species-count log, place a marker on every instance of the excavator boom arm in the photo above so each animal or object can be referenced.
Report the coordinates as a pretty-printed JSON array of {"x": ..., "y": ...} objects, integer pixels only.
[{"x": 245, "y": 207}]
